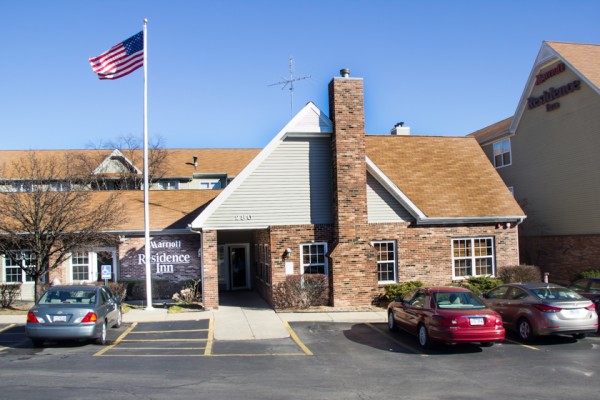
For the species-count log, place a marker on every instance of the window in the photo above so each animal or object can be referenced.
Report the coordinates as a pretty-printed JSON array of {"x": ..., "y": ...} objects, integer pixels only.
[
  {"x": 385, "y": 252},
  {"x": 167, "y": 185},
  {"x": 12, "y": 270},
  {"x": 80, "y": 264},
  {"x": 472, "y": 257},
  {"x": 312, "y": 258},
  {"x": 502, "y": 153}
]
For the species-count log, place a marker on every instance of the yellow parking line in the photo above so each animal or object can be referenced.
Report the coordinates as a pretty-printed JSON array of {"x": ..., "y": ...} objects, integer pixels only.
[
  {"x": 178, "y": 331},
  {"x": 7, "y": 327},
  {"x": 260, "y": 355},
  {"x": 153, "y": 355},
  {"x": 119, "y": 340},
  {"x": 162, "y": 340},
  {"x": 522, "y": 345},
  {"x": 296, "y": 339},
  {"x": 158, "y": 348},
  {"x": 393, "y": 339},
  {"x": 211, "y": 331},
  {"x": 3, "y": 348}
]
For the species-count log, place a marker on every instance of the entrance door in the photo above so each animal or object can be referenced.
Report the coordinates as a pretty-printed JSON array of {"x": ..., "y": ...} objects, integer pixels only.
[{"x": 238, "y": 267}]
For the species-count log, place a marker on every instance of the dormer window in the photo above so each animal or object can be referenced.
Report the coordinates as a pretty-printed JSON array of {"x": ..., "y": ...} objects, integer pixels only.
[{"x": 167, "y": 185}]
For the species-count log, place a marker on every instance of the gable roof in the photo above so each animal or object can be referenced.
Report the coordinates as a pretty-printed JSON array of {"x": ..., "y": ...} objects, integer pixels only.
[
  {"x": 492, "y": 132},
  {"x": 309, "y": 121},
  {"x": 447, "y": 179},
  {"x": 582, "y": 59}
]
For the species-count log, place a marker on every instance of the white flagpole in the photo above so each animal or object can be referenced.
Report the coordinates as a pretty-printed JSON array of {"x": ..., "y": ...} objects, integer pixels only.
[{"x": 146, "y": 183}]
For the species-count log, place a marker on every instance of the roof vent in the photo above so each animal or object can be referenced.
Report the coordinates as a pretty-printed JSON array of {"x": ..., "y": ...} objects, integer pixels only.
[
  {"x": 400, "y": 130},
  {"x": 345, "y": 73}
]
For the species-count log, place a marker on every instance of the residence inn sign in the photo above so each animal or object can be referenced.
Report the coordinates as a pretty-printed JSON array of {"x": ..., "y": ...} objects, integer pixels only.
[{"x": 171, "y": 257}]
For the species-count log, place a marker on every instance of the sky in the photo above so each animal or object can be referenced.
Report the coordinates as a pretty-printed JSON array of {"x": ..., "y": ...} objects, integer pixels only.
[{"x": 441, "y": 67}]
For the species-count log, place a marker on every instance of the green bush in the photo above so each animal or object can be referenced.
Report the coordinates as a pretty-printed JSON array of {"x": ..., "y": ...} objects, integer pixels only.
[
  {"x": 590, "y": 273},
  {"x": 479, "y": 284},
  {"x": 301, "y": 291},
  {"x": 520, "y": 273},
  {"x": 397, "y": 290}
]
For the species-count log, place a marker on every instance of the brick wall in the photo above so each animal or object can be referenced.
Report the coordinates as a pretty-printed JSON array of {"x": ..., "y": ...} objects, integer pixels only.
[
  {"x": 210, "y": 276},
  {"x": 353, "y": 282},
  {"x": 563, "y": 257}
]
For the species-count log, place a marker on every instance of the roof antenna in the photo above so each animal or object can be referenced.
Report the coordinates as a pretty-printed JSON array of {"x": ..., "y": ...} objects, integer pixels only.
[{"x": 290, "y": 82}]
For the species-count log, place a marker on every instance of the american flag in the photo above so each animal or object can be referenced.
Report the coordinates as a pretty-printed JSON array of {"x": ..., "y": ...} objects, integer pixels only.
[{"x": 121, "y": 59}]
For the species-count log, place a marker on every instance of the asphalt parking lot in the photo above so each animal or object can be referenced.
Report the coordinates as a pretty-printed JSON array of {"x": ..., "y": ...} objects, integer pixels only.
[{"x": 319, "y": 360}]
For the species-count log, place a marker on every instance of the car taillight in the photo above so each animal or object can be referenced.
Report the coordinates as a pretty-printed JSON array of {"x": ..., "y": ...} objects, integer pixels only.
[
  {"x": 546, "y": 308},
  {"x": 444, "y": 321},
  {"x": 499, "y": 321},
  {"x": 591, "y": 307},
  {"x": 90, "y": 317},
  {"x": 31, "y": 318}
]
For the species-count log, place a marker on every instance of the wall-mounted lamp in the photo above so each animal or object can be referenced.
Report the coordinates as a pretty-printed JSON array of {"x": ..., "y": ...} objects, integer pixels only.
[
  {"x": 195, "y": 161},
  {"x": 287, "y": 253}
]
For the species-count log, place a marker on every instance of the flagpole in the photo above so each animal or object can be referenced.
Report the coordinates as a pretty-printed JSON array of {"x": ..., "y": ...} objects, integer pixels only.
[{"x": 146, "y": 183}]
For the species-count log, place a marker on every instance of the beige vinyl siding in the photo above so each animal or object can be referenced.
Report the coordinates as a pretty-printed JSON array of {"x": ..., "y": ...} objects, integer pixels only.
[
  {"x": 291, "y": 186},
  {"x": 382, "y": 206},
  {"x": 555, "y": 168}
]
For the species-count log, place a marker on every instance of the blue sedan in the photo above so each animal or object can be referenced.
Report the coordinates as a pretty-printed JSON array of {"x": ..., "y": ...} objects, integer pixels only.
[{"x": 73, "y": 313}]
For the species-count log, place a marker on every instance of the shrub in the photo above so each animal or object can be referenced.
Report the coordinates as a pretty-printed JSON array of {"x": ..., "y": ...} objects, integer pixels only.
[
  {"x": 190, "y": 293},
  {"x": 590, "y": 273},
  {"x": 397, "y": 290},
  {"x": 116, "y": 288},
  {"x": 520, "y": 273},
  {"x": 301, "y": 291},
  {"x": 9, "y": 293},
  {"x": 479, "y": 284},
  {"x": 161, "y": 289}
]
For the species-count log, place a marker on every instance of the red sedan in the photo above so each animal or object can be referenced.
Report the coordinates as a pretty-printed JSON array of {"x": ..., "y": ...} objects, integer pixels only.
[{"x": 445, "y": 314}]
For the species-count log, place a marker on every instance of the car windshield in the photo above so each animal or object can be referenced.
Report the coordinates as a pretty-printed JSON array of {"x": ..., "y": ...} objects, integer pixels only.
[
  {"x": 68, "y": 296},
  {"x": 555, "y": 293},
  {"x": 457, "y": 300}
]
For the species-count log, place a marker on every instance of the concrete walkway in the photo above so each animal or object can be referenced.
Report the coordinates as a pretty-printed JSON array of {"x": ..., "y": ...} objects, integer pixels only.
[{"x": 241, "y": 316}]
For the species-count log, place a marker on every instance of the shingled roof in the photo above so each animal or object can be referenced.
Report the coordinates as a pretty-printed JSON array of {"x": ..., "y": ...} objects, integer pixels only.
[
  {"x": 584, "y": 58},
  {"x": 445, "y": 177}
]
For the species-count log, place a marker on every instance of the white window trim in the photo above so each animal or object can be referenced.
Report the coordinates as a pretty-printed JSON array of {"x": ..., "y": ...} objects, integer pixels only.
[
  {"x": 325, "y": 260},
  {"x": 92, "y": 265},
  {"x": 393, "y": 242},
  {"x": 473, "y": 257},
  {"x": 509, "y": 152},
  {"x": 23, "y": 281}
]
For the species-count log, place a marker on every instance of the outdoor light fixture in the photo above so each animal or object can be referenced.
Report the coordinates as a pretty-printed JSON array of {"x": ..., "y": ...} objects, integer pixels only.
[{"x": 287, "y": 253}]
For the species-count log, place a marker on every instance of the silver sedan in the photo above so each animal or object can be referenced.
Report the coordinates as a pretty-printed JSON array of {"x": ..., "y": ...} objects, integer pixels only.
[
  {"x": 533, "y": 309},
  {"x": 73, "y": 312}
]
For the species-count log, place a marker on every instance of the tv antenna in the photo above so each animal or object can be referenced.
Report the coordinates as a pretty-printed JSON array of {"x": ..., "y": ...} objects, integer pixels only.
[{"x": 290, "y": 83}]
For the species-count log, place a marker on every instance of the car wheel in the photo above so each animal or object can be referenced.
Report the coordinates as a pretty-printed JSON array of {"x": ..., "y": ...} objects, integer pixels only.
[
  {"x": 525, "y": 331},
  {"x": 486, "y": 344},
  {"x": 119, "y": 319},
  {"x": 102, "y": 338},
  {"x": 391, "y": 322},
  {"x": 37, "y": 342},
  {"x": 579, "y": 336},
  {"x": 424, "y": 340}
]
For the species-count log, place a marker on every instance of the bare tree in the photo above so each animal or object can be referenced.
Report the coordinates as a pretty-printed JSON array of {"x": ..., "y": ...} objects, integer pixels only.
[
  {"x": 132, "y": 150},
  {"x": 51, "y": 213}
]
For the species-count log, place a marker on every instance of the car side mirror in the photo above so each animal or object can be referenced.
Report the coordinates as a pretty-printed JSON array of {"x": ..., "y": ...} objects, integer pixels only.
[{"x": 117, "y": 298}]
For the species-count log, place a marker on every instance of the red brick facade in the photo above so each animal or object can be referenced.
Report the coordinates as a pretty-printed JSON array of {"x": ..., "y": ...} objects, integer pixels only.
[
  {"x": 351, "y": 256},
  {"x": 563, "y": 257}
]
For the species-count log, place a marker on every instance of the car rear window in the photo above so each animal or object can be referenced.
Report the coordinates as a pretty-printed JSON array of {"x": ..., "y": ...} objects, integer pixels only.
[
  {"x": 65, "y": 296},
  {"x": 457, "y": 300},
  {"x": 554, "y": 293}
]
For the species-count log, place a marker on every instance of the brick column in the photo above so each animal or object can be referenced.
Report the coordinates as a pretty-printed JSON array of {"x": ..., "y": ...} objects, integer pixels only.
[
  {"x": 210, "y": 270},
  {"x": 353, "y": 269}
]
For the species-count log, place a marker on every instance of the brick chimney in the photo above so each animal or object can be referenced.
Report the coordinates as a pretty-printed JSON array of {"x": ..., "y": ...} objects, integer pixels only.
[{"x": 354, "y": 278}]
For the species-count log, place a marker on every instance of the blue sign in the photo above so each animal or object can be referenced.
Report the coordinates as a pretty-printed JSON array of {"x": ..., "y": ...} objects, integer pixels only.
[{"x": 106, "y": 271}]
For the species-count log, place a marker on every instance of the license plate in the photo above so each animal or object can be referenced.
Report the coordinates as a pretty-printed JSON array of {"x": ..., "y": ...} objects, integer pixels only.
[
  {"x": 476, "y": 321},
  {"x": 60, "y": 318},
  {"x": 574, "y": 313}
]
